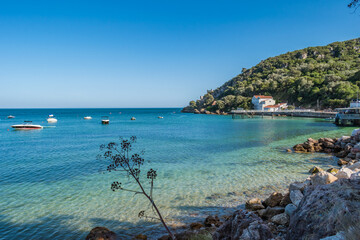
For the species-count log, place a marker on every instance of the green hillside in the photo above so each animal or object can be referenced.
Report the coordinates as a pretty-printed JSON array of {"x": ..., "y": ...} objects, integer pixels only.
[{"x": 327, "y": 76}]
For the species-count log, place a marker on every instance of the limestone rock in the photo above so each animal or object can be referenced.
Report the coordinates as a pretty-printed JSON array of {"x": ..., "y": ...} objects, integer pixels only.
[
  {"x": 342, "y": 162},
  {"x": 354, "y": 166},
  {"x": 286, "y": 200},
  {"x": 296, "y": 196},
  {"x": 290, "y": 209},
  {"x": 315, "y": 169},
  {"x": 254, "y": 204},
  {"x": 243, "y": 225},
  {"x": 269, "y": 212},
  {"x": 273, "y": 200},
  {"x": 297, "y": 186},
  {"x": 280, "y": 219},
  {"x": 332, "y": 170},
  {"x": 322, "y": 178},
  {"x": 101, "y": 233},
  {"x": 323, "y": 208},
  {"x": 344, "y": 173}
]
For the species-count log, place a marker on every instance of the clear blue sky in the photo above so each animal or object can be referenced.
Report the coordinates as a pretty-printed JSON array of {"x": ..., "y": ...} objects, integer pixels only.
[{"x": 149, "y": 53}]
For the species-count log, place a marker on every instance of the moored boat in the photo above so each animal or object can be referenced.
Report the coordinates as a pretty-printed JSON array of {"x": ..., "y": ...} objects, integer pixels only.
[
  {"x": 27, "y": 125},
  {"x": 87, "y": 118},
  {"x": 10, "y": 116},
  {"x": 105, "y": 120},
  {"x": 133, "y": 119},
  {"x": 52, "y": 120}
]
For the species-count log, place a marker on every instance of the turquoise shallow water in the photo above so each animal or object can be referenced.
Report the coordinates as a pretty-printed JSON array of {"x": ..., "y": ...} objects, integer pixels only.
[{"x": 52, "y": 186}]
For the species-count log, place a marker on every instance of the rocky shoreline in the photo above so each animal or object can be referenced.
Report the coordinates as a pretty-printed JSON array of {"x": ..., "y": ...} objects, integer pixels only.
[
  {"x": 325, "y": 206},
  {"x": 202, "y": 111}
]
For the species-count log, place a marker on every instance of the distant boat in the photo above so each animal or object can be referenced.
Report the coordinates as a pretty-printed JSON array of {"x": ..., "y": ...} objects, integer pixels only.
[
  {"x": 51, "y": 120},
  {"x": 105, "y": 120},
  {"x": 133, "y": 118},
  {"x": 160, "y": 117},
  {"x": 51, "y": 115},
  {"x": 87, "y": 118},
  {"x": 27, "y": 125},
  {"x": 10, "y": 116}
]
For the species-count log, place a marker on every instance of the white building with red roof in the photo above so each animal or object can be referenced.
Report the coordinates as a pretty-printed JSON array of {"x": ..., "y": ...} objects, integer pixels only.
[{"x": 261, "y": 101}]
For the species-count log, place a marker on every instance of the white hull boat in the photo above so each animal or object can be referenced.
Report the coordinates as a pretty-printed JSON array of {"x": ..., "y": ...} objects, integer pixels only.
[
  {"x": 87, "y": 118},
  {"x": 27, "y": 125},
  {"x": 52, "y": 120}
]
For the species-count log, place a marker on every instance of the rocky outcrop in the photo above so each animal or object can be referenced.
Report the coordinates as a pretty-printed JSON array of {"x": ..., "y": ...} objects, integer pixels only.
[
  {"x": 101, "y": 233},
  {"x": 322, "y": 211},
  {"x": 243, "y": 225},
  {"x": 254, "y": 204}
]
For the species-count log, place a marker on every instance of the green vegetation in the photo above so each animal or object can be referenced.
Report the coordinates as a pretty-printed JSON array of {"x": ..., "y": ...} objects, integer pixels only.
[{"x": 327, "y": 76}]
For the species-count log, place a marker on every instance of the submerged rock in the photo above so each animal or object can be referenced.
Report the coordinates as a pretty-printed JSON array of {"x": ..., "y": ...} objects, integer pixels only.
[
  {"x": 101, "y": 233},
  {"x": 243, "y": 225}
]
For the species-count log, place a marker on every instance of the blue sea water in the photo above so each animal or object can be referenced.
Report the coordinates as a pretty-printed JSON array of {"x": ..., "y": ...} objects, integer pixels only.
[{"x": 53, "y": 187}]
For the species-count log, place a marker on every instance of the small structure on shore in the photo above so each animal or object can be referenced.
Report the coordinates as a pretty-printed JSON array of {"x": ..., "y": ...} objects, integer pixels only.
[{"x": 348, "y": 116}]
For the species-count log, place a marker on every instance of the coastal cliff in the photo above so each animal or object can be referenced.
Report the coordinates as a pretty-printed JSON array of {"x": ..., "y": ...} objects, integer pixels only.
[{"x": 321, "y": 77}]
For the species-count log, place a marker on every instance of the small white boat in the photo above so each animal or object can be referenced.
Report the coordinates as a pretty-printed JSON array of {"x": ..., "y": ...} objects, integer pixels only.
[
  {"x": 51, "y": 115},
  {"x": 105, "y": 120},
  {"x": 87, "y": 118},
  {"x": 27, "y": 125},
  {"x": 160, "y": 117},
  {"x": 10, "y": 116},
  {"x": 52, "y": 120},
  {"x": 133, "y": 119}
]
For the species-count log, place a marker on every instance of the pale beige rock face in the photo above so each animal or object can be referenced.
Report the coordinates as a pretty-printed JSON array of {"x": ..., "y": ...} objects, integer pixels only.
[{"x": 322, "y": 178}]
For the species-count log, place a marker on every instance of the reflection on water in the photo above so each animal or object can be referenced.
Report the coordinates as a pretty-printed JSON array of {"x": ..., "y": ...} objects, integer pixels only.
[{"x": 52, "y": 186}]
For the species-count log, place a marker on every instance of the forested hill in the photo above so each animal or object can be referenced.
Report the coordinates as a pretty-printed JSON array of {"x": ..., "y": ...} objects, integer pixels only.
[{"x": 327, "y": 76}]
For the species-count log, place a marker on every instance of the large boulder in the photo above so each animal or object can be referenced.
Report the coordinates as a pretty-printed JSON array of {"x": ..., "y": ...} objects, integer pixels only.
[
  {"x": 322, "y": 178},
  {"x": 344, "y": 173},
  {"x": 273, "y": 200},
  {"x": 101, "y": 233},
  {"x": 243, "y": 225},
  {"x": 323, "y": 210},
  {"x": 254, "y": 204}
]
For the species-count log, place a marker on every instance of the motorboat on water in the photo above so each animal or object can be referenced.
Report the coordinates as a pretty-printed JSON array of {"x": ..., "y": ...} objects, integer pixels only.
[
  {"x": 51, "y": 120},
  {"x": 105, "y": 120},
  {"x": 87, "y": 118},
  {"x": 27, "y": 125},
  {"x": 160, "y": 117},
  {"x": 133, "y": 119},
  {"x": 51, "y": 115},
  {"x": 10, "y": 116}
]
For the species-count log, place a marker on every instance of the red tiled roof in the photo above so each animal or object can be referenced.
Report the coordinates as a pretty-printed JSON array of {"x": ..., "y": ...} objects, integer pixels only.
[
  {"x": 262, "y": 96},
  {"x": 272, "y": 106}
]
